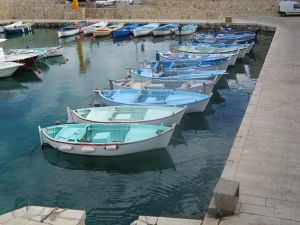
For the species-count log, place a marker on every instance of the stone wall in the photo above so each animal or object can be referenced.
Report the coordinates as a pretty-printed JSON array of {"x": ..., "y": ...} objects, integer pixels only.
[{"x": 163, "y": 9}]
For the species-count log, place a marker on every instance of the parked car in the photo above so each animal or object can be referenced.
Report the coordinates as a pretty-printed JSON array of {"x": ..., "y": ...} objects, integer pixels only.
[
  {"x": 289, "y": 8},
  {"x": 105, "y": 3}
]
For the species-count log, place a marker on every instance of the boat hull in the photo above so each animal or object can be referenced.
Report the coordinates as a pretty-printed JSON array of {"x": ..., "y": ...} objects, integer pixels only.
[
  {"x": 13, "y": 31},
  {"x": 112, "y": 149},
  {"x": 6, "y": 72},
  {"x": 67, "y": 33},
  {"x": 185, "y": 32},
  {"x": 174, "y": 118},
  {"x": 162, "y": 32}
]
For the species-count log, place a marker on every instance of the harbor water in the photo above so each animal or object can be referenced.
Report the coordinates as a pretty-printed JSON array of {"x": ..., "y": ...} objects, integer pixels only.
[{"x": 177, "y": 181}]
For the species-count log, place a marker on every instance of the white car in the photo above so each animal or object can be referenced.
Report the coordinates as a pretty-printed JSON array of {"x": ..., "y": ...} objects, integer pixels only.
[
  {"x": 105, "y": 3},
  {"x": 289, "y": 8}
]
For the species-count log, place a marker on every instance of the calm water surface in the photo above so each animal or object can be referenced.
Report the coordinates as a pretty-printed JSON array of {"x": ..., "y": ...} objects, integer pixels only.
[{"x": 168, "y": 182}]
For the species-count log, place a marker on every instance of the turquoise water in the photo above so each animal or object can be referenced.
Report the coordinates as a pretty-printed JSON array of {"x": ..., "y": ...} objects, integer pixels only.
[{"x": 177, "y": 181}]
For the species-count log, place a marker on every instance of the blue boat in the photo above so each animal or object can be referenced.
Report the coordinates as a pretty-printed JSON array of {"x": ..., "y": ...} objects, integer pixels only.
[
  {"x": 125, "y": 31},
  {"x": 187, "y": 29},
  {"x": 18, "y": 29},
  {"x": 166, "y": 29},
  {"x": 225, "y": 37},
  {"x": 220, "y": 63},
  {"x": 195, "y": 102},
  {"x": 189, "y": 74}
]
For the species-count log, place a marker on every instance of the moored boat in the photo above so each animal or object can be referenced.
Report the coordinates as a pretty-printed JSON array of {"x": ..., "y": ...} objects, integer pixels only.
[
  {"x": 189, "y": 74},
  {"x": 127, "y": 114},
  {"x": 226, "y": 37},
  {"x": 72, "y": 28},
  {"x": 125, "y": 31},
  {"x": 18, "y": 23},
  {"x": 88, "y": 30},
  {"x": 145, "y": 29},
  {"x": 27, "y": 59},
  {"x": 166, "y": 29},
  {"x": 106, "y": 139},
  {"x": 202, "y": 86},
  {"x": 8, "y": 68},
  {"x": 182, "y": 55},
  {"x": 195, "y": 102},
  {"x": 105, "y": 31},
  {"x": 42, "y": 52},
  {"x": 18, "y": 29},
  {"x": 187, "y": 29},
  {"x": 204, "y": 50}
]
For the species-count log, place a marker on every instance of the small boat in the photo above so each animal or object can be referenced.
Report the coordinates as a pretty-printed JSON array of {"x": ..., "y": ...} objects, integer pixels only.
[
  {"x": 27, "y": 59},
  {"x": 72, "y": 28},
  {"x": 187, "y": 29},
  {"x": 207, "y": 64},
  {"x": 225, "y": 37},
  {"x": 88, "y": 30},
  {"x": 1, "y": 29},
  {"x": 2, "y": 40},
  {"x": 18, "y": 29},
  {"x": 238, "y": 29},
  {"x": 189, "y": 74},
  {"x": 127, "y": 114},
  {"x": 145, "y": 30},
  {"x": 8, "y": 68},
  {"x": 106, "y": 139},
  {"x": 202, "y": 86},
  {"x": 166, "y": 29},
  {"x": 42, "y": 52},
  {"x": 105, "y": 31},
  {"x": 125, "y": 31},
  {"x": 195, "y": 102},
  {"x": 181, "y": 55},
  {"x": 204, "y": 50},
  {"x": 18, "y": 23}
]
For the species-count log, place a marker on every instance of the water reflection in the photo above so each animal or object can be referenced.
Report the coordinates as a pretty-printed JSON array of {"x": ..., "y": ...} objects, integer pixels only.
[
  {"x": 83, "y": 64},
  {"x": 68, "y": 40},
  {"x": 177, "y": 137},
  {"x": 8, "y": 83},
  {"x": 58, "y": 60},
  {"x": 194, "y": 121},
  {"x": 17, "y": 35},
  {"x": 26, "y": 76},
  {"x": 146, "y": 161}
]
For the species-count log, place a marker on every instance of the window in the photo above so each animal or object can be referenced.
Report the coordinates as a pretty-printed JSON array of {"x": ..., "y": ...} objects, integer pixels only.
[{"x": 296, "y": 6}]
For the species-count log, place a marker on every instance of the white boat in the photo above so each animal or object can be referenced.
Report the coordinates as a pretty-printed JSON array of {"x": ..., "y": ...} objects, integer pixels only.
[
  {"x": 70, "y": 29},
  {"x": 18, "y": 23},
  {"x": 105, "y": 31},
  {"x": 105, "y": 139},
  {"x": 89, "y": 29},
  {"x": 127, "y": 114},
  {"x": 1, "y": 29},
  {"x": 202, "y": 86},
  {"x": 145, "y": 30},
  {"x": 166, "y": 29},
  {"x": 8, "y": 68},
  {"x": 42, "y": 52},
  {"x": 2, "y": 40}
]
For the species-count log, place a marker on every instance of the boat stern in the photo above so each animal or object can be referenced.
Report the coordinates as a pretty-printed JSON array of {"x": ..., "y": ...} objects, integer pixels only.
[
  {"x": 70, "y": 115},
  {"x": 41, "y": 135}
]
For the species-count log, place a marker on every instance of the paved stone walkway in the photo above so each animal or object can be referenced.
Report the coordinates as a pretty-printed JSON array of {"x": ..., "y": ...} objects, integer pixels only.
[{"x": 265, "y": 157}]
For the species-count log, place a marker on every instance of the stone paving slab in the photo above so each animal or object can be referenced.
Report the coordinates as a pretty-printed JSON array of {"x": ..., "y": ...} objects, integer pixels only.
[
  {"x": 265, "y": 157},
  {"x": 151, "y": 220},
  {"x": 34, "y": 215}
]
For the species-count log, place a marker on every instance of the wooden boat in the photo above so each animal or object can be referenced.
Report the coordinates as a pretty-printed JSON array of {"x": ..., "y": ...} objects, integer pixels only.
[
  {"x": 202, "y": 86},
  {"x": 106, "y": 139},
  {"x": 42, "y": 52},
  {"x": 18, "y": 29},
  {"x": 27, "y": 59},
  {"x": 189, "y": 74},
  {"x": 226, "y": 37},
  {"x": 127, "y": 114},
  {"x": 70, "y": 29},
  {"x": 8, "y": 68},
  {"x": 204, "y": 50},
  {"x": 165, "y": 30},
  {"x": 182, "y": 55},
  {"x": 183, "y": 64},
  {"x": 195, "y": 102},
  {"x": 187, "y": 29},
  {"x": 105, "y": 31},
  {"x": 88, "y": 30},
  {"x": 125, "y": 31},
  {"x": 145, "y": 30}
]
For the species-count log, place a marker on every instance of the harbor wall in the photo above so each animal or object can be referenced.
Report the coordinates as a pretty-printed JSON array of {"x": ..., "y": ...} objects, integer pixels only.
[{"x": 143, "y": 9}]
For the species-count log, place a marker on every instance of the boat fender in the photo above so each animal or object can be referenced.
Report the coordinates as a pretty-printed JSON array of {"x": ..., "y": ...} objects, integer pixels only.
[
  {"x": 87, "y": 149},
  {"x": 65, "y": 148},
  {"x": 111, "y": 147},
  {"x": 97, "y": 90}
]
